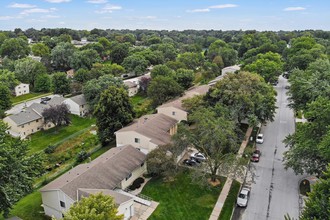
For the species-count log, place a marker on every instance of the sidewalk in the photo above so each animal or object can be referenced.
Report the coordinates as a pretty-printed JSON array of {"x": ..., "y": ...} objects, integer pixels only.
[{"x": 225, "y": 190}]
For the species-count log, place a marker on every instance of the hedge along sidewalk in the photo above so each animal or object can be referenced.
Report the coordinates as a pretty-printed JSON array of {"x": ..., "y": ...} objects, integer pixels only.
[{"x": 225, "y": 190}]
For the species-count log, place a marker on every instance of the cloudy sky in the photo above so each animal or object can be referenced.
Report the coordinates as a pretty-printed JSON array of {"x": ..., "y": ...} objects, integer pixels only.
[{"x": 166, "y": 14}]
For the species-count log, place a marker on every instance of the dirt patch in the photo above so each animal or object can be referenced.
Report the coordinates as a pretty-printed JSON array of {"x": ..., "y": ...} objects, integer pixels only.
[{"x": 214, "y": 183}]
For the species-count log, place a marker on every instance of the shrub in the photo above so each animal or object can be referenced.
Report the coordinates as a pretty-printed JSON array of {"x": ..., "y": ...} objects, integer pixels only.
[
  {"x": 139, "y": 180},
  {"x": 50, "y": 149},
  {"x": 82, "y": 155}
]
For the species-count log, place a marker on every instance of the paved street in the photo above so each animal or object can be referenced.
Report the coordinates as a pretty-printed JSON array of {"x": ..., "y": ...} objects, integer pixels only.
[{"x": 274, "y": 190}]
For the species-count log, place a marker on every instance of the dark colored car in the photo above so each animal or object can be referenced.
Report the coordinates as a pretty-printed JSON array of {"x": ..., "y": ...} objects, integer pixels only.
[
  {"x": 256, "y": 156},
  {"x": 45, "y": 98},
  {"x": 190, "y": 162}
]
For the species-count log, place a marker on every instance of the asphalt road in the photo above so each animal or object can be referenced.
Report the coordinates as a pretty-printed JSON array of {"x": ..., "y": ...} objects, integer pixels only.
[{"x": 274, "y": 190}]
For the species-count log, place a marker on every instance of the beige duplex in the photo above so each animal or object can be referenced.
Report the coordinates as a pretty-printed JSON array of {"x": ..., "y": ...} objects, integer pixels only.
[{"x": 147, "y": 132}]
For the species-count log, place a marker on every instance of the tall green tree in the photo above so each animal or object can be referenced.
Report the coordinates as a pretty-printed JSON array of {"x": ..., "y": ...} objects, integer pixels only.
[
  {"x": 113, "y": 111},
  {"x": 246, "y": 94},
  {"x": 27, "y": 70},
  {"x": 161, "y": 70},
  {"x": 5, "y": 101},
  {"x": 94, "y": 207},
  {"x": 43, "y": 83},
  {"x": 184, "y": 77},
  {"x": 191, "y": 60},
  {"x": 318, "y": 202},
  {"x": 18, "y": 170},
  {"x": 61, "y": 55},
  {"x": 60, "y": 83},
  {"x": 84, "y": 59},
  {"x": 135, "y": 63},
  {"x": 268, "y": 65},
  {"x": 14, "y": 48},
  {"x": 93, "y": 88},
  {"x": 40, "y": 49},
  {"x": 162, "y": 89},
  {"x": 213, "y": 135},
  {"x": 8, "y": 78}
]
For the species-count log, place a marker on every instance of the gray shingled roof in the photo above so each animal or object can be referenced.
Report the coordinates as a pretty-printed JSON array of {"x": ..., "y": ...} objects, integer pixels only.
[
  {"x": 130, "y": 84},
  {"x": 31, "y": 113},
  {"x": 155, "y": 126},
  {"x": 118, "y": 197},
  {"x": 177, "y": 103},
  {"x": 105, "y": 172},
  {"x": 56, "y": 100},
  {"x": 79, "y": 99}
]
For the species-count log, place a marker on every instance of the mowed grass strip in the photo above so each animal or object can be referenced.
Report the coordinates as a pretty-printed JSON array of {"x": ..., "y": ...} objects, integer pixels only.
[
  {"x": 181, "y": 198},
  {"x": 42, "y": 139},
  {"x": 21, "y": 98},
  {"x": 230, "y": 202},
  {"x": 29, "y": 208}
]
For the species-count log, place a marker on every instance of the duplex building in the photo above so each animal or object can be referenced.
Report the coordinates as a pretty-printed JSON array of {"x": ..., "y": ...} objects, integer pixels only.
[
  {"x": 116, "y": 168},
  {"x": 175, "y": 109},
  {"x": 147, "y": 132}
]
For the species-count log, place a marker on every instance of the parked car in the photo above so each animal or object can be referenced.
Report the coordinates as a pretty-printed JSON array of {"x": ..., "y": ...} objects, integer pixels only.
[
  {"x": 199, "y": 157},
  {"x": 190, "y": 162},
  {"x": 45, "y": 98},
  {"x": 243, "y": 197},
  {"x": 260, "y": 139},
  {"x": 256, "y": 156}
]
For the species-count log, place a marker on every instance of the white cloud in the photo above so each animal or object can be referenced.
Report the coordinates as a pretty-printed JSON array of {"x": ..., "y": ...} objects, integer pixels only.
[
  {"x": 294, "y": 9},
  {"x": 57, "y": 1},
  {"x": 212, "y": 7},
  {"x": 51, "y": 16},
  {"x": 5, "y": 18},
  {"x": 17, "y": 5},
  {"x": 97, "y": 1},
  {"x": 109, "y": 9},
  {"x": 37, "y": 10},
  {"x": 223, "y": 6},
  {"x": 35, "y": 20},
  {"x": 199, "y": 10}
]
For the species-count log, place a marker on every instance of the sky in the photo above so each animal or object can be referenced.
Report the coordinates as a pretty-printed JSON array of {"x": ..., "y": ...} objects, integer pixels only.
[{"x": 166, "y": 14}]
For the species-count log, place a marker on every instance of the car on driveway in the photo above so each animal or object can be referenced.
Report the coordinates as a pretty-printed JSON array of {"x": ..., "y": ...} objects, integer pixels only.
[
  {"x": 256, "y": 155},
  {"x": 260, "y": 139},
  {"x": 199, "y": 157},
  {"x": 45, "y": 98},
  {"x": 190, "y": 162},
  {"x": 243, "y": 197}
]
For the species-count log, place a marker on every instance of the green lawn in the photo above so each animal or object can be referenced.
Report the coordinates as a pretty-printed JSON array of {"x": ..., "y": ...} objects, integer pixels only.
[
  {"x": 43, "y": 139},
  {"x": 29, "y": 208},
  {"x": 230, "y": 202},
  {"x": 181, "y": 199},
  {"x": 21, "y": 98}
]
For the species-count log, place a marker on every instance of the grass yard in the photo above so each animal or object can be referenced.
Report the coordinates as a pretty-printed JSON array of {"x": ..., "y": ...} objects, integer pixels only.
[
  {"x": 181, "y": 199},
  {"x": 141, "y": 105},
  {"x": 21, "y": 98},
  {"x": 230, "y": 202},
  {"x": 29, "y": 208},
  {"x": 53, "y": 136}
]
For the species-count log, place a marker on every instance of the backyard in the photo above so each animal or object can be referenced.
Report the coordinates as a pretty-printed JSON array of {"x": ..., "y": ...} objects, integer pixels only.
[
  {"x": 182, "y": 198},
  {"x": 54, "y": 136}
]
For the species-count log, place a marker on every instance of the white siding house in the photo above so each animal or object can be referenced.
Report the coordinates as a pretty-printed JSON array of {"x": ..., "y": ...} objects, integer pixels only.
[
  {"x": 22, "y": 89},
  {"x": 77, "y": 105}
]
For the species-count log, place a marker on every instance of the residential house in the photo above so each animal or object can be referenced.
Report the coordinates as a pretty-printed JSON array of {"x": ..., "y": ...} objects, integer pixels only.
[
  {"x": 116, "y": 168},
  {"x": 22, "y": 89},
  {"x": 175, "y": 109},
  {"x": 77, "y": 105},
  {"x": 132, "y": 88},
  {"x": 147, "y": 132},
  {"x": 30, "y": 120},
  {"x": 224, "y": 72}
]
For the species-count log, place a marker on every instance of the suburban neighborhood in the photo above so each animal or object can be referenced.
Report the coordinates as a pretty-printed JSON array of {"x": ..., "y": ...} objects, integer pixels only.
[{"x": 158, "y": 122}]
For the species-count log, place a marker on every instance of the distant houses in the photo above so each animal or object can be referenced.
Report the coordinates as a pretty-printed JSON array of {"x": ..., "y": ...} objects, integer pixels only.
[{"x": 115, "y": 169}]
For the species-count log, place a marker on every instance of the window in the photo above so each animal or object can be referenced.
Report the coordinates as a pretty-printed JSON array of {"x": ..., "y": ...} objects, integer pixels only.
[
  {"x": 32, "y": 130},
  {"x": 173, "y": 113},
  {"x": 37, "y": 120},
  {"x": 62, "y": 204},
  {"x": 129, "y": 176},
  {"x": 137, "y": 140},
  {"x": 82, "y": 106},
  {"x": 49, "y": 125},
  {"x": 22, "y": 126},
  {"x": 142, "y": 164}
]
